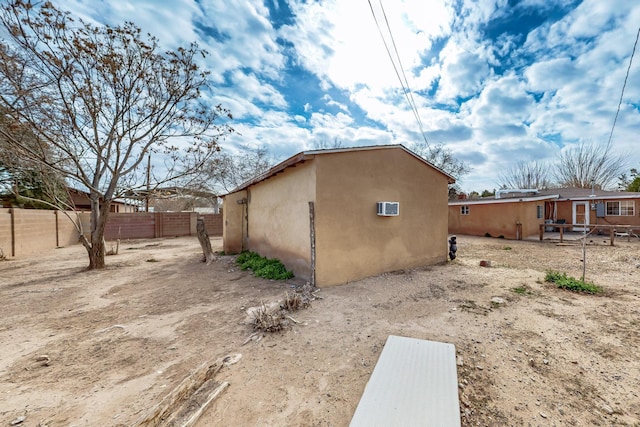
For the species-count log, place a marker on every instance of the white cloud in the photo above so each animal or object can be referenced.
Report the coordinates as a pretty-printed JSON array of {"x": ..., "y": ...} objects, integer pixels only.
[
  {"x": 329, "y": 44},
  {"x": 253, "y": 89},
  {"x": 564, "y": 87},
  {"x": 463, "y": 73}
]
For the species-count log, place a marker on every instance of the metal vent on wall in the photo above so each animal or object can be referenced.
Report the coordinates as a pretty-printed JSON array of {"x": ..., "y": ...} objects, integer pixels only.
[{"x": 388, "y": 208}]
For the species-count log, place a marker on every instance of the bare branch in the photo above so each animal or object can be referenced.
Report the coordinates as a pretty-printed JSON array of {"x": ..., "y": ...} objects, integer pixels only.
[
  {"x": 97, "y": 100},
  {"x": 589, "y": 165},
  {"x": 533, "y": 174}
]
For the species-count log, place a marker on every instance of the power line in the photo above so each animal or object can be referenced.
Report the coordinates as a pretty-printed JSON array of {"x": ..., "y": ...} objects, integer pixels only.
[
  {"x": 623, "y": 86},
  {"x": 404, "y": 84},
  {"x": 412, "y": 102}
]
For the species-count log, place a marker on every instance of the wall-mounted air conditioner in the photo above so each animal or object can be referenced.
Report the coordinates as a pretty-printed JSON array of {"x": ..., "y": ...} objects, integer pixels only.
[{"x": 388, "y": 208}]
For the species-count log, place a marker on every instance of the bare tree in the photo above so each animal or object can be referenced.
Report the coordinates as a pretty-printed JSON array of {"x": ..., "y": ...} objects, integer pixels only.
[
  {"x": 97, "y": 101},
  {"x": 441, "y": 157},
  {"x": 226, "y": 171},
  {"x": 323, "y": 144},
  {"x": 589, "y": 165},
  {"x": 23, "y": 181},
  {"x": 533, "y": 174}
]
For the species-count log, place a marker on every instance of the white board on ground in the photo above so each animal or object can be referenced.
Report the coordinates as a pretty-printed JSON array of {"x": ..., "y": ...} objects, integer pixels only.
[{"x": 414, "y": 383}]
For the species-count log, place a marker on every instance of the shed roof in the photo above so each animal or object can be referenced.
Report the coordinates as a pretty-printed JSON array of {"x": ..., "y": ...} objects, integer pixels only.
[{"x": 310, "y": 154}]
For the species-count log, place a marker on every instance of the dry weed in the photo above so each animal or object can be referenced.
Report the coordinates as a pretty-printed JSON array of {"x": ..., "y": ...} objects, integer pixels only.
[
  {"x": 275, "y": 316},
  {"x": 264, "y": 319},
  {"x": 292, "y": 302}
]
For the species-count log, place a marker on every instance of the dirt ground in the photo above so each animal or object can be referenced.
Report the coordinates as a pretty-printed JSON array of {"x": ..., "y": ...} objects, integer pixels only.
[{"x": 99, "y": 348}]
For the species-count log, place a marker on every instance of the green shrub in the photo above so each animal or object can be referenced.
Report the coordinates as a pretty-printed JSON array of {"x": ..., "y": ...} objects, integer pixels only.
[
  {"x": 273, "y": 269},
  {"x": 522, "y": 290},
  {"x": 507, "y": 248},
  {"x": 487, "y": 234},
  {"x": 566, "y": 282},
  {"x": 262, "y": 267}
]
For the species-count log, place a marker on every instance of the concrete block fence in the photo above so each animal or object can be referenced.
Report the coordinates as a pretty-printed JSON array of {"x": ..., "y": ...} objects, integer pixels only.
[{"x": 30, "y": 231}]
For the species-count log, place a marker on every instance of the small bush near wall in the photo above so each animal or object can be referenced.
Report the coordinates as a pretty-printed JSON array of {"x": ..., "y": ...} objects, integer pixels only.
[{"x": 263, "y": 267}]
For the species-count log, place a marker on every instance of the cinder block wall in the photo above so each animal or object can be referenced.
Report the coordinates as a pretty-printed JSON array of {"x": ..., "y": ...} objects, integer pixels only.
[
  {"x": 213, "y": 223},
  {"x": 34, "y": 231},
  {"x": 174, "y": 224},
  {"x": 5, "y": 232},
  {"x": 67, "y": 231},
  {"x": 139, "y": 225}
]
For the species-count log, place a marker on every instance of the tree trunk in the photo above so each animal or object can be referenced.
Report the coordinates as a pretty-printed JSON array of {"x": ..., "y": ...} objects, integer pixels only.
[
  {"x": 203, "y": 237},
  {"x": 96, "y": 255},
  {"x": 96, "y": 248}
]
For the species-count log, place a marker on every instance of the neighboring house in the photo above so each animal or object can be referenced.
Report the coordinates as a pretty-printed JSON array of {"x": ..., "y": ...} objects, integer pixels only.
[
  {"x": 318, "y": 213},
  {"x": 81, "y": 202},
  {"x": 594, "y": 207},
  {"x": 517, "y": 214},
  {"x": 511, "y": 218}
]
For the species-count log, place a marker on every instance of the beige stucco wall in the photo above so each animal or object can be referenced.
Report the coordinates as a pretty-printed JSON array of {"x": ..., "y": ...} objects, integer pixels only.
[
  {"x": 233, "y": 214},
  {"x": 278, "y": 211},
  {"x": 352, "y": 241},
  {"x": 497, "y": 219}
]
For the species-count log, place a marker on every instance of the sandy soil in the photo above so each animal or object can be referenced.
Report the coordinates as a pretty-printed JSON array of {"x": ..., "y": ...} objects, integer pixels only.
[{"x": 100, "y": 348}]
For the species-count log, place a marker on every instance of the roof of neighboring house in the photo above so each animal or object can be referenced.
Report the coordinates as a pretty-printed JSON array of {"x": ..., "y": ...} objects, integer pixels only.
[
  {"x": 309, "y": 155},
  {"x": 571, "y": 193},
  {"x": 487, "y": 200},
  {"x": 167, "y": 192},
  {"x": 85, "y": 194},
  {"x": 558, "y": 194}
]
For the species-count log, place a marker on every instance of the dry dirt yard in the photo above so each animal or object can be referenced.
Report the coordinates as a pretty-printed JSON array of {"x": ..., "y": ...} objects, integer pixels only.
[{"x": 117, "y": 341}]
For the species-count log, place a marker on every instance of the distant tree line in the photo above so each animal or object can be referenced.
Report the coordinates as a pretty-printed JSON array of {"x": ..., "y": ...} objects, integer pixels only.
[{"x": 588, "y": 165}]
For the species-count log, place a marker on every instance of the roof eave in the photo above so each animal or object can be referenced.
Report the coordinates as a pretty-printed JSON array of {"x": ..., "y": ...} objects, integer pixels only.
[{"x": 306, "y": 155}]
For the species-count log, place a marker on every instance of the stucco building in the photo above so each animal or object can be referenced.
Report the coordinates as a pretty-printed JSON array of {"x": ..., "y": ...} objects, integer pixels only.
[
  {"x": 318, "y": 213},
  {"x": 518, "y": 214},
  {"x": 513, "y": 218}
]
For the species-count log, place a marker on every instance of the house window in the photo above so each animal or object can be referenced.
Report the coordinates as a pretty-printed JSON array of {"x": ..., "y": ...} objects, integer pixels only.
[
  {"x": 464, "y": 210},
  {"x": 621, "y": 208},
  {"x": 539, "y": 212}
]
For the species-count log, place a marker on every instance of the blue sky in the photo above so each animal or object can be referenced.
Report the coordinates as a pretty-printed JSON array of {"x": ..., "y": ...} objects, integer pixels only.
[{"x": 496, "y": 81}]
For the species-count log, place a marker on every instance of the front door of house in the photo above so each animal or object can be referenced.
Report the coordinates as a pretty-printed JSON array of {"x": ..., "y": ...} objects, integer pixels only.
[{"x": 580, "y": 215}]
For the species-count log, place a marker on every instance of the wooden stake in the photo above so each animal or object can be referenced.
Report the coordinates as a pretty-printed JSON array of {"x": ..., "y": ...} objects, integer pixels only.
[
  {"x": 312, "y": 238},
  {"x": 205, "y": 243}
]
